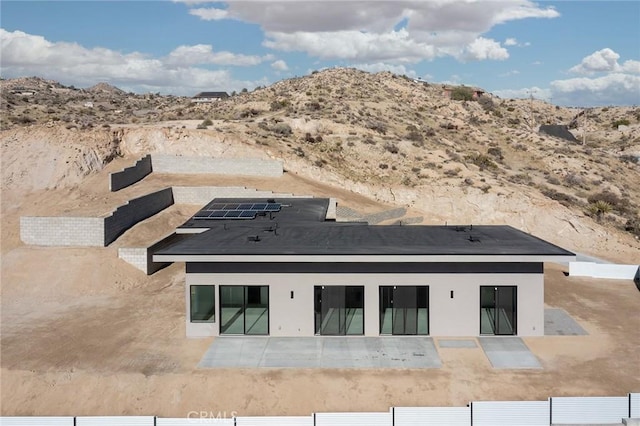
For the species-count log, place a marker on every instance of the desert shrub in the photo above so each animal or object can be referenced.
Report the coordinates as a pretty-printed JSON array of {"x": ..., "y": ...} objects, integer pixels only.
[
  {"x": 633, "y": 225},
  {"x": 415, "y": 169},
  {"x": 482, "y": 161},
  {"x": 415, "y": 136},
  {"x": 553, "y": 180},
  {"x": 369, "y": 141},
  {"x": 622, "y": 122},
  {"x": 277, "y": 105},
  {"x": 611, "y": 199},
  {"x": 314, "y": 106},
  {"x": 462, "y": 93},
  {"x": 487, "y": 103},
  {"x": 573, "y": 179},
  {"x": 495, "y": 152},
  {"x": 511, "y": 109},
  {"x": 383, "y": 166},
  {"x": 452, "y": 172},
  {"x": 281, "y": 129},
  {"x": 564, "y": 199},
  {"x": 377, "y": 126},
  {"x": 392, "y": 148},
  {"x": 309, "y": 138},
  {"x": 599, "y": 209}
]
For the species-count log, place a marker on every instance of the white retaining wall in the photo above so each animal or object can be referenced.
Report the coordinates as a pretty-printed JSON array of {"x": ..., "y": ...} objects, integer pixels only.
[
  {"x": 62, "y": 231},
  {"x": 222, "y": 166},
  {"x": 603, "y": 270}
]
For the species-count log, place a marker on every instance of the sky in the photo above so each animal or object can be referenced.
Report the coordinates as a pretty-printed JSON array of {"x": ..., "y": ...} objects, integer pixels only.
[{"x": 572, "y": 53}]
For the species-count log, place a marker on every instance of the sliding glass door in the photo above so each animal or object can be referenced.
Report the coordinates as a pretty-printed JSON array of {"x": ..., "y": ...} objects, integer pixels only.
[
  {"x": 339, "y": 310},
  {"x": 244, "y": 310},
  {"x": 498, "y": 310},
  {"x": 404, "y": 310}
]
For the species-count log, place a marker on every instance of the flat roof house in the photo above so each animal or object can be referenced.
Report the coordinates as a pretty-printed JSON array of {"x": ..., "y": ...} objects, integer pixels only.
[
  {"x": 209, "y": 96},
  {"x": 280, "y": 268}
]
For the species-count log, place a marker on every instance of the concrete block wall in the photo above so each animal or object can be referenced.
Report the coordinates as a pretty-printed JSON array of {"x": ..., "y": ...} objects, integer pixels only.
[
  {"x": 201, "y": 195},
  {"x": 130, "y": 175},
  {"x": 137, "y": 209},
  {"x": 224, "y": 166},
  {"x": 62, "y": 231},
  {"x": 142, "y": 257},
  {"x": 136, "y": 256}
]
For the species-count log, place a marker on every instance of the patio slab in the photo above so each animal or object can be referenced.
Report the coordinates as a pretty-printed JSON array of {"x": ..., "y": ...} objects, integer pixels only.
[
  {"x": 558, "y": 323},
  {"x": 508, "y": 352},
  {"x": 321, "y": 352}
]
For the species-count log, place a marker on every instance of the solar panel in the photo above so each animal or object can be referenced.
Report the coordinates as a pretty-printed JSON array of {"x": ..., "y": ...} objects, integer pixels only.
[
  {"x": 236, "y": 210},
  {"x": 273, "y": 207}
]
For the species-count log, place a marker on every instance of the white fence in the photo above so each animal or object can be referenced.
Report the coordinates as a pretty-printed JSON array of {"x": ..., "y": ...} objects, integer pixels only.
[
  {"x": 436, "y": 416},
  {"x": 556, "y": 411},
  {"x": 572, "y": 410},
  {"x": 509, "y": 413},
  {"x": 603, "y": 270}
]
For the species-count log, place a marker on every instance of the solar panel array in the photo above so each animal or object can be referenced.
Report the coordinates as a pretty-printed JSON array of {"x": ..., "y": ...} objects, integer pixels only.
[{"x": 216, "y": 211}]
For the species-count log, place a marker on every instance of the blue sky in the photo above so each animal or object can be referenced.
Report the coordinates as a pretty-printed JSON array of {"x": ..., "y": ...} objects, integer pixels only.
[{"x": 578, "y": 53}]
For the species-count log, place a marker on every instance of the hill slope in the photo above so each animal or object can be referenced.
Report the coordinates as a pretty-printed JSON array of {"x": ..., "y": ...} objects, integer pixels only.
[{"x": 380, "y": 135}]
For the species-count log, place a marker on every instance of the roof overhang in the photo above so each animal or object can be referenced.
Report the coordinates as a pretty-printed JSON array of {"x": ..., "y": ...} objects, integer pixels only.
[{"x": 361, "y": 258}]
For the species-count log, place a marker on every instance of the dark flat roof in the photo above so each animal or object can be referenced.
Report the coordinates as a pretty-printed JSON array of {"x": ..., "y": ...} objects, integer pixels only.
[{"x": 300, "y": 229}]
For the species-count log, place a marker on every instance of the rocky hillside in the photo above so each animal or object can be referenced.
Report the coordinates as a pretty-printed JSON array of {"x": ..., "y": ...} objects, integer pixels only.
[{"x": 388, "y": 137}]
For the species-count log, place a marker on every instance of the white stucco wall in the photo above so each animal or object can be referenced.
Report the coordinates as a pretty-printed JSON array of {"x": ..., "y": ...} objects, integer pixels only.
[{"x": 459, "y": 316}]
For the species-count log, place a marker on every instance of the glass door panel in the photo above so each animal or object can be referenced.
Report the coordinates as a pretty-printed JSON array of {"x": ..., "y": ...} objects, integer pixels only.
[
  {"x": 498, "y": 310},
  {"x": 244, "y": 310},
  {"x": 339, "y": 310},
  {"x": 231, "y": 310},
  {"x": 404, "y": 310}
]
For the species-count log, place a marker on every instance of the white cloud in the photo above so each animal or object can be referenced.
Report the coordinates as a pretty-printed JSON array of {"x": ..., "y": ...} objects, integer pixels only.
[
  {"x": 381, "y": 66},
  {"x": 204, "y": 54},
  {"x": 605, "y": 60},
  {"x": 210, "y": 14},
  {"x": 70, "y": 63},
  {"x": 509, "y": 73},
  {"x": 483, "y": 48},
  {"x": 631, "y": 67},
  {"x": 511, "y": 42},
  {"x": 279, "y": 65},
  {"x": 353, "y": 45},
  {"x": 364, "y": 31},
  {"x": 610, "y": 89}
]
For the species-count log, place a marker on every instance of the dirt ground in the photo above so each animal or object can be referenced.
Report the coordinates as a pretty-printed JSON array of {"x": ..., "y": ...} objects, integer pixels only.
[{"x": 84, "y": 333}]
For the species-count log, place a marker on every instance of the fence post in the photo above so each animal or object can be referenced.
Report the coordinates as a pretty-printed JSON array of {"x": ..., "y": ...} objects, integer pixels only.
[{"x": 550, "y": 411}]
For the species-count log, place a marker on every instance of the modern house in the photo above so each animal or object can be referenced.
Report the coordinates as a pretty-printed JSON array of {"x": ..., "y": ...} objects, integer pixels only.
[
  {"x": 280, "y": 268},
  {"x": 209, "y": 97}
]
